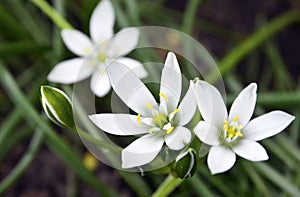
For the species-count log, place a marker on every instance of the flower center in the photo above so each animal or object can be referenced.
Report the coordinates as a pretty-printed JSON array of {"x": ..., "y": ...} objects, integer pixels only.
[
  {"x": 102, "y": 57},
  {"x": 160, "y": 120},
  {"x": 232, "y": 130}
]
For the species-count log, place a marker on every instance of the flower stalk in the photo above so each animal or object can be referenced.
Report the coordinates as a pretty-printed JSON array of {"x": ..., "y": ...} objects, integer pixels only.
[
  {"x": 52, "y": 14},
  {"x": 169, "y": 185}
]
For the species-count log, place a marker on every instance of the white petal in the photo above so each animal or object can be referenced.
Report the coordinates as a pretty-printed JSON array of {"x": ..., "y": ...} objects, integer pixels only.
[
  {"x": 124, "y": 42},
  {"x": 119, "y": 124},
  {"x": 210, "y": 103},
  {"x": 207, "y": 133},
  {"x": 77, "y": 42},
  {"x": 141, "y": 151},
  {"x": 250, "y": 150},
  {"x": 171, "y": 82},
  {"x": 136, "y": 66},
  {"x": 70, "y": 71},
  {"x": 179, "y": 138},
  {"x": 102, "y": 22},
  {"x": 163, "y": 108},
  {"x": 186, "y": 108},
  {"x": 220, "y": 159},
  {"x": 100, "y": 83},
  {"x": 267, "y": 125},
  {"x": 130, "y": 89},
  {"x": 243, "y": 106},
  {"x": 147, "y": 121}
]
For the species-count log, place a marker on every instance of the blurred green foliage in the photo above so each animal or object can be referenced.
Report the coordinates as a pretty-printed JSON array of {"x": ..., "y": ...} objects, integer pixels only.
[{"x": 30, "y": 46}]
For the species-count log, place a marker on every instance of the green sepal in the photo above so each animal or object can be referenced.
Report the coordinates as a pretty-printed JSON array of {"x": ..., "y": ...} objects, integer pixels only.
[{"x": 186, "y": 164}]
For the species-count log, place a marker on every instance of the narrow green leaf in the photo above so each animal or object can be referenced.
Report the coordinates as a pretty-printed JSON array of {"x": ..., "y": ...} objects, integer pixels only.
[
  {"x": 21, "y": 48},
  {"x": 190, "y": 15},
  {"x": 10, "y": 28},
  {"x": 278, "y": 179},
  {"x": 52, "y": 14},
  {"x": 23, "y": 163},
  {"x": 200, "y": 187},
  {"x": 137, "y": 183},
  {"x": 230, "y": 60},
  {"x": 53, "y": 141}
]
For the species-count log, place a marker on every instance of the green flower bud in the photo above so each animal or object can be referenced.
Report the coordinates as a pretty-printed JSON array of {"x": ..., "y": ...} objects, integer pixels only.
[
  {"x": 57, "y": 106},
  {"x": 186, "y": 164}
]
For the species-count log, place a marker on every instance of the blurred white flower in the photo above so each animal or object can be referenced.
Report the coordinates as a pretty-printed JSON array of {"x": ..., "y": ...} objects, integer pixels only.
[
  {"x": 93, "y": 52},
  {"x": 159, "y": 122},
  {"x": 234, "y": 133}
]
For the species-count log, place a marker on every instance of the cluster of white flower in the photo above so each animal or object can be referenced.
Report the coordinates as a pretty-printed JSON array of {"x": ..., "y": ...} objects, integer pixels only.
[{"x": 164, "y": 122}]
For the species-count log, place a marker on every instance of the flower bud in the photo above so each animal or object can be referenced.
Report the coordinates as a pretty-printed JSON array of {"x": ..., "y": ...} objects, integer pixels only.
[
  {"x": 186, "y": 164},
  {"x": 57, "y": 106}
]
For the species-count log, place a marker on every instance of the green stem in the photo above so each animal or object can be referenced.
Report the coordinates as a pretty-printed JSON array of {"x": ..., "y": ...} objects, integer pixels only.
[
  {"x": 169, "y": 184},
  {"x": 52, "y": 14},
  {"x": 24, "y": 162},
  {"x": 238, "y": 53}
]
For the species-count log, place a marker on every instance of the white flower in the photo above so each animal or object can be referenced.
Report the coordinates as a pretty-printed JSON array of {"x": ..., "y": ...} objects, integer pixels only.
[
  {"x": 234, "y": 133},
  {"x": 159, "y": 122},
  {"x": 101, "y": 46}
]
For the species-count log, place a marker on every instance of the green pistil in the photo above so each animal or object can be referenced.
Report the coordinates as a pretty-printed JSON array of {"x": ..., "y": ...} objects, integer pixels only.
[
  {"x": 102, "y": 57},
  {"x": 160, "y": 120}
]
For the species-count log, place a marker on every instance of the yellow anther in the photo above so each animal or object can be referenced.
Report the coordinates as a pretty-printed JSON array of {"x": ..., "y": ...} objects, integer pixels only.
[
  {"x": 139, "y": 119},
  {"x": 236, "y": 119},
  {"x": 163, "y": 95},
  {"x": 233, "y": 130},
  {"x": 149, "y": 106},
  {"x": 176, "y": 111},
  {"x": 170, "y": 130},
  {"x": 226, "y": 125}
]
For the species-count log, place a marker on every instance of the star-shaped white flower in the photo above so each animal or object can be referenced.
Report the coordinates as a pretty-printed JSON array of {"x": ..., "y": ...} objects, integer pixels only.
[
  {"x": 160, "y": 123},
  {"x": 93, "y": 52},
  {"x": 234, "y": 133}
]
